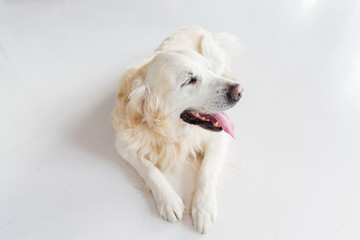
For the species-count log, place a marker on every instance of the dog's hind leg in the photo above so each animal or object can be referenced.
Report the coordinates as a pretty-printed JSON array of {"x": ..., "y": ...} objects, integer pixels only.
[{"x": 168, "y": 202}]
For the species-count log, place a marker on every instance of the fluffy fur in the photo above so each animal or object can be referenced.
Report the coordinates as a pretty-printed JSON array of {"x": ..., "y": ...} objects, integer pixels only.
[{"x": 189, "y": 70}]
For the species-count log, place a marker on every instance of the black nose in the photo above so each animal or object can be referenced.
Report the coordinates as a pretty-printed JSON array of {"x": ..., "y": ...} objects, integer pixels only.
[{"x": 234, "y": 93}]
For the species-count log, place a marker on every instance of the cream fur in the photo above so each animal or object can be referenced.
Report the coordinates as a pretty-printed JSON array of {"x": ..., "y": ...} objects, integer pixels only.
[{"x": 150, "y": 134}]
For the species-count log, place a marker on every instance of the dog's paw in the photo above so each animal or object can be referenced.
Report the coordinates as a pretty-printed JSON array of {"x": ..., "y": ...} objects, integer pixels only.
[
  {"x": 204, "y": 212},
  {"x": 170, "y": 205}
]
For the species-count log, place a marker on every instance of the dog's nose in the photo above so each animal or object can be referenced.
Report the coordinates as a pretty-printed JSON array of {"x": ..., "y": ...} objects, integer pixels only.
[{"x": 235, "y": 92}]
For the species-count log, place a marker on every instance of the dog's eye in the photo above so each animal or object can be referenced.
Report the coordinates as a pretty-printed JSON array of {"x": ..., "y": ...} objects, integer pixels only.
[{"x": 192, "y": 81}]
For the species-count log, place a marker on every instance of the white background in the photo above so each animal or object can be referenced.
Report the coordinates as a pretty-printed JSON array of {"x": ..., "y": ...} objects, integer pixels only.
[{"x": 295, "y": 163}]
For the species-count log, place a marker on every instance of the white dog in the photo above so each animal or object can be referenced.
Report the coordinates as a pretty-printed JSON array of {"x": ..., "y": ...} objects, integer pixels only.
[{"x": 170, "y": 109}]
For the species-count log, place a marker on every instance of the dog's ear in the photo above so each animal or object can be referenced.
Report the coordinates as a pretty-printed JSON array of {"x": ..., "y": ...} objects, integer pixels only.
[
  {"x": 219, "y": 49},
  {"x": 142, "y": 102},
  {"x": 210, "y": 50},
  {"x": 228, "y": 44}
]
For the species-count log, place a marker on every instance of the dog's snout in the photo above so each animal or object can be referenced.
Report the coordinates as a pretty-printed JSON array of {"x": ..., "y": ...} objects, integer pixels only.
[{"x": 235, "y": 92}]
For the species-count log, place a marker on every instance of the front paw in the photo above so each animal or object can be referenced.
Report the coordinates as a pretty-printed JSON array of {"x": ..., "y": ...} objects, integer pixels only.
[
  {"x": 169, "y": 205},
  {"x": 204, "y": 211}
]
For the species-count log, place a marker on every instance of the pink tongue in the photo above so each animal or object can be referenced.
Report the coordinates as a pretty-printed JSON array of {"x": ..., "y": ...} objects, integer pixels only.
[{"x": 226, "y": 124}]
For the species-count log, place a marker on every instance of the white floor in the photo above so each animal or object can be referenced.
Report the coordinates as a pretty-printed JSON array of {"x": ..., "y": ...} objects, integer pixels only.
[{"x": 297, "y": 150}]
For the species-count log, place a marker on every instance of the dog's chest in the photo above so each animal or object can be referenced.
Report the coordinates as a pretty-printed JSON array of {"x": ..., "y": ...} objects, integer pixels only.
[{"x": 168, "y": 154}]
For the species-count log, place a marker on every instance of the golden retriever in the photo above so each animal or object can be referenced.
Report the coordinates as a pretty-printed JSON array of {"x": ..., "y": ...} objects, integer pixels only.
[{"x": 170, "y": 108}]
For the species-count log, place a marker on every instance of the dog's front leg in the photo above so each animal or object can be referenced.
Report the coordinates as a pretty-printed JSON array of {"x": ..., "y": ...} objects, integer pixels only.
[
  {"x": 204, "y": 204},
  {"x": 168, "y": 202}
]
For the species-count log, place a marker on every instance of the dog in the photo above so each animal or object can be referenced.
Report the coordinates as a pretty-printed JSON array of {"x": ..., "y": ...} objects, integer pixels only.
[{"x": 170, "y": 109}]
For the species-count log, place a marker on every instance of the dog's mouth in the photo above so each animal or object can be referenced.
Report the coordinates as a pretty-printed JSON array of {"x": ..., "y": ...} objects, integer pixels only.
[{"x": 213, "y": 122}]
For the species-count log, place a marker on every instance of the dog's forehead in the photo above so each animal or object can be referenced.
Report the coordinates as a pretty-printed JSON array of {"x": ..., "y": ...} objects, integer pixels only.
[
  {"x": 180, "y": 59},
  {"x": 170, "y": 68}
]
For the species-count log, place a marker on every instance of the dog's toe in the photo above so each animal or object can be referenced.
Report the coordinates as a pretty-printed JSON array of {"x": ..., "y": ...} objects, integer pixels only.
[
  {"x": 170, "y": 206},
  {"x": 203, "y": 212},
  {"x": 203, "y": 219}
]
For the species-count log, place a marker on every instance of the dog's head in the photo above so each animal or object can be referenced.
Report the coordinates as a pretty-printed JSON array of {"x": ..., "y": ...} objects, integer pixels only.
[{"x": 181, "y": 85}]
